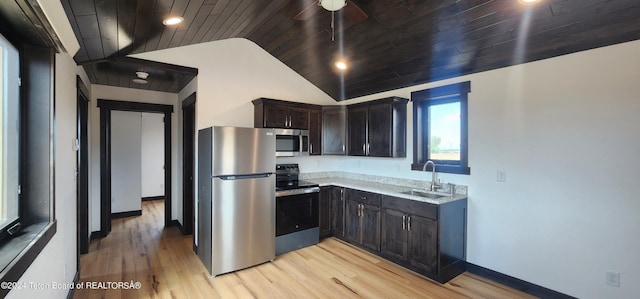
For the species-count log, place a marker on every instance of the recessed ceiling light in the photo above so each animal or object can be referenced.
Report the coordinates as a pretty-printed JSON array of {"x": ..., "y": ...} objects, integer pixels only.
[
  {"x": 172, "y": 21},
  {"x": 341, "y": 65},
  {"x": 528, "y": 1}
]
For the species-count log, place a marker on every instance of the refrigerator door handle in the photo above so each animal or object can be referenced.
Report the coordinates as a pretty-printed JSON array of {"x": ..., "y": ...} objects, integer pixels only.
[{"x": 243, "y": 177}]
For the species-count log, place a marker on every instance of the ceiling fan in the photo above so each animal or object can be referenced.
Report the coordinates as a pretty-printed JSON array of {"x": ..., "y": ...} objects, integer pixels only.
[{"x": 351, "y": 11}]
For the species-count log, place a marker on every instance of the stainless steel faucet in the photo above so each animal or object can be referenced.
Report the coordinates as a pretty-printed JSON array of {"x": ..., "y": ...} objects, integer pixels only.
[{"x": 433, "y": 173}]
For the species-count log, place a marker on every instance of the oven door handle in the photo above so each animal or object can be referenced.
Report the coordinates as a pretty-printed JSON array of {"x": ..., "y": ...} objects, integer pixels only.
[{"x": 297, "y": 191}]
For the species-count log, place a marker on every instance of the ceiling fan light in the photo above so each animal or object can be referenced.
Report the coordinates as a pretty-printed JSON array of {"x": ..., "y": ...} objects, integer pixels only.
[
  {"x": 333, "y": 5},
  {"x": 142, "y": 75},
  {"x": 139, "y": 81}
]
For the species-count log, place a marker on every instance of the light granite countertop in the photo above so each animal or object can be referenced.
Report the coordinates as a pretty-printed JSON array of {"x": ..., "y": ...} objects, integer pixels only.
[{"x": 382, "y": 188}]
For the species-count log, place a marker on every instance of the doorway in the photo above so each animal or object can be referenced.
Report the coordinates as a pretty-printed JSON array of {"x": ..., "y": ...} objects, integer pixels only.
[
  {"x": 188, "y": 168},
  {"x": 106, "y": 107},
  {"x": 82, "y": 166}
]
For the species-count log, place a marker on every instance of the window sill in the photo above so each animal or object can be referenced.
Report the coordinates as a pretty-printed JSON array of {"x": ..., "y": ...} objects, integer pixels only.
[
  {"x": 444, "y": 168},
  {"x": 19, "y": 252}
]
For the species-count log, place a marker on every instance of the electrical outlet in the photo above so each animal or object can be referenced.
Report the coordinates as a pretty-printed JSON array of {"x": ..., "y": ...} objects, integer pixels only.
[
  {"x": 613, "y": 279},
  {"x": 501, "y": 176}
]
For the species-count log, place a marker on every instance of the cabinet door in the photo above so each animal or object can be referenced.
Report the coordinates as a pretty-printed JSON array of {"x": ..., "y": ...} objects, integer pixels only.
[
  {"x": 379, "y": 130},
  {"x": 334, "y": 122},
  {"x": 371, "y": 227},
  {"x": 394, "y": 237},
  {"x": 325, "y": 211},
  {"x": 315, "y": 132},
  {"x": 275, "y": 116},
  {"x": 423, "y": 243},
  {"x": 352, "y": 224},
  {"x": 299, "y": 118},
  {"x": 337, "y": 211},
  {"x": 357, "y": 131}
]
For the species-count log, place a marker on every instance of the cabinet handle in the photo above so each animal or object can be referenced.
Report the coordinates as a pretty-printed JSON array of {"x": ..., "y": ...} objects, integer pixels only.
[
  {"x": 409, "y": 223},
  {"x": 289, "y": 121},
  {"x": 404, "y": 225},
  {"x": 310, "y": 148},
  {"x": 368, "y": 149},
  {"x": 364, "y": 149},
  {"x": 343, "y": 149}
]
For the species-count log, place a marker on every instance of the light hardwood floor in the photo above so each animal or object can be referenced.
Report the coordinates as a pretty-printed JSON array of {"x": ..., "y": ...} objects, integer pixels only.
[{"x": 139, "y": 249}]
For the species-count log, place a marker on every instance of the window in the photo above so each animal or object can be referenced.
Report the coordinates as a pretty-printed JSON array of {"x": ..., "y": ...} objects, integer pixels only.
[
  {"x": 440, "y": 128},
  {"x": 9, "y": 136}
]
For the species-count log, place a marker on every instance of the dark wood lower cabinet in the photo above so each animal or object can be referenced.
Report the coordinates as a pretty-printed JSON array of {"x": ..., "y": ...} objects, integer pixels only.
[
  {"x": 423, "y": 244},
  {"x": 324, "y": 214},
  {"x": 427, "y": 238},
  {"x": 337, "y": 211},
  {"x": 363, "y": 219}
]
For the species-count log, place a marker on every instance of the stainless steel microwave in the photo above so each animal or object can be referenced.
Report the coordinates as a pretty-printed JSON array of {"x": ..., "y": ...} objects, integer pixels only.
[{"x": 291, "y": 143}]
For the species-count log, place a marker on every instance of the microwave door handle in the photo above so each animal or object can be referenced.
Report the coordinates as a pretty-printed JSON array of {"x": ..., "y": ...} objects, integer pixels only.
[{"x": 301, "y": 138}]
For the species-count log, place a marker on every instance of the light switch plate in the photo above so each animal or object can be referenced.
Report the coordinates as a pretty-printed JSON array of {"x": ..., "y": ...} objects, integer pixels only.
[{"x": 501, "y": 176}]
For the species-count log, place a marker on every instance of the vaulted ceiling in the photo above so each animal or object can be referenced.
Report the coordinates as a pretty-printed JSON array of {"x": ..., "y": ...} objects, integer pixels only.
[{"x": 400, "y": 43}]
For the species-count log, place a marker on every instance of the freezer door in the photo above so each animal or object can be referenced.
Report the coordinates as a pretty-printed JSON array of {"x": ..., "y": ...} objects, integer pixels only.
[
  {"x": 238, "y": 151},
  {"x": 243, "y": 222}
]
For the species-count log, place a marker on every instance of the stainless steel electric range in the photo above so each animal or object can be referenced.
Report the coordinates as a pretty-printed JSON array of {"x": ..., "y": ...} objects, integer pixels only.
[{"x": 296, "y": 210}]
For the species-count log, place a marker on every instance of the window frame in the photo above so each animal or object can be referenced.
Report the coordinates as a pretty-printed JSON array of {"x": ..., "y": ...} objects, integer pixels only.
[
  {"x": 36, "y": 165},
  {"x": 422, "y": 100}
]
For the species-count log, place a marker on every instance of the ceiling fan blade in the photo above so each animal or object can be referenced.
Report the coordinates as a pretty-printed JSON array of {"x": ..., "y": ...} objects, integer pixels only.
[
  {"x": 354, "y": 12},
  {"x": 307, "y": 12}
]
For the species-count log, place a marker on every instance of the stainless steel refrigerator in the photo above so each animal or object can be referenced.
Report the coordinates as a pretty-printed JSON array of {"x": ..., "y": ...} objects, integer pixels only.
[{"x": 236, "y": 198}]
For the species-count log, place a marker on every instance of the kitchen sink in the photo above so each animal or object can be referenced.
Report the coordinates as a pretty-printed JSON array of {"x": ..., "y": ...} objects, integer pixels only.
[{"x": 423, "y": 194}]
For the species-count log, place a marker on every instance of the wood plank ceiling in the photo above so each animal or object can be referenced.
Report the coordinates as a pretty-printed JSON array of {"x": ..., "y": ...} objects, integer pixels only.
[{"x": 401, "y": 43}]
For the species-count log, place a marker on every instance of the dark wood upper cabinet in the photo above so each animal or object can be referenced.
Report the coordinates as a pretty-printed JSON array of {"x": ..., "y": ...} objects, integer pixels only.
[
  {"x": 315, "y": 131},
  {"x": 299, "y": 118},
  {"x": 270, "y": 113},
  {"x": 357, "y": 131},
  {"x": 275, "y": 116},
  {"x": 334, "y": 128},
  {"x": 378, "y": 128}
]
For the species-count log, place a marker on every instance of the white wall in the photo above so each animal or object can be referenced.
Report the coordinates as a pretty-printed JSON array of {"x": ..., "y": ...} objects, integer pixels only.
[
  {"x": 566, "y": 213},
  {"x": 152, "y": 154},
  {"x": 232, "y": 73},
  {"x": 126, "y": 161},
  {"x": 131, "y": 95},
  {"x": 565, "y": 131},
  {"x": 57, "y": 261}
]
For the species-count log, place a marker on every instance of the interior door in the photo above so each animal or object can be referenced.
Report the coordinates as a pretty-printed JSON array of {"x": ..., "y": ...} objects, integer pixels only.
[
  {"x": 188, "y": 149},
  {"x": 82, "y": 172},
  {"x": 126, "y": 162}
]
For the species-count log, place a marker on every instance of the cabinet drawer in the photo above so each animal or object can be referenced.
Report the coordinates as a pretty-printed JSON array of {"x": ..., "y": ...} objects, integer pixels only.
[
  {"x": 412, "y": 207},
  {"x": 363, "y": 197}
]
